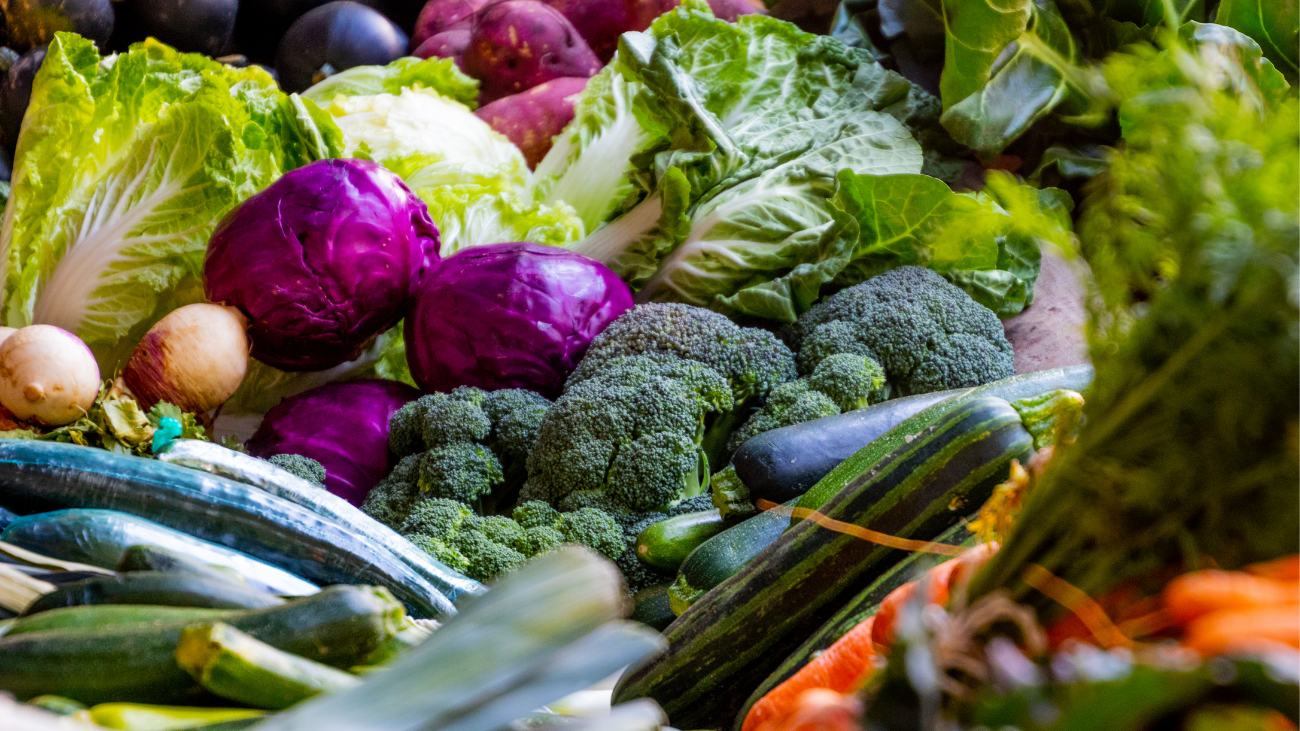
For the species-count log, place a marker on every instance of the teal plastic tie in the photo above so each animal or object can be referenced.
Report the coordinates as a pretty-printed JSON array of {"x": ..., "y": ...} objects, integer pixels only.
[{"x": 168, "y": 430}]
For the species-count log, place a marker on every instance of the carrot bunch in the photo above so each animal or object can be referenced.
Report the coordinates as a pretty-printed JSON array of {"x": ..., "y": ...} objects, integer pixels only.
[
  {"x": 847, "y": 664},
  {"x": 1233, "y": 611}
]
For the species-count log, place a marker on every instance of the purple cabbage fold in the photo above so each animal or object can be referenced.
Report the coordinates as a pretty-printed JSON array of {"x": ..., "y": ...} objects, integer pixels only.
[
  {"x": 513, "y": 315},
  {"x": 342, "y": 425},
  {"x": 322, "y": 261}
]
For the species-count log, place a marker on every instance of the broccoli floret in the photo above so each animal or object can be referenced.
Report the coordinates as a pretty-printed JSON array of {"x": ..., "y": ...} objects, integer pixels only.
[
  {"x": 304, "y": 467},
  {"x": 927, "y": 334},
  {"x": 486, "y": 560},
  {"x": 693, "y": 505},
  {"x": 538, "y": 539},
  {"x": 389, "y": 501},
  {"x": 752, "y": 360},
  {"x": 632, "y": 431},
  {"x": 437, "y": 517},
  {"x": 536, "y": 514},
  {"x": 594, "y": 529},
  {"x": 852, "y": 381},
  {"x": 789, "y": 404},
  {"x": 516, "y": 415},
  {"x": 497, "y": 528},
  {"x": 461, "y": 471}
]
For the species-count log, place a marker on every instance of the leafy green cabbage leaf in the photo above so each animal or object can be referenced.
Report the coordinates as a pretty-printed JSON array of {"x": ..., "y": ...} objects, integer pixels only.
[
  {"x": 124, "y": 166},
  {"x": 441, "y": 75}
]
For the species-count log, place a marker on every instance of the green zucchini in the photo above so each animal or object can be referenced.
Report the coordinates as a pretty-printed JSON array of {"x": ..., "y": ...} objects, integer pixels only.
[
  {"x": 1010, "y": 389},
  {"x": 726, "y": 643},
  {"x": 860, "y": 607},
  {"x": 237, "y": 667},
  {"x": 144, "y": 717},
  {"x": 101, "y": 538},
  {"x": 340, "y": 626},
  {"x": 158, "y": 588},
  {"x": 667, "y": 543},
  {"x": 651, "y": 607},
  {"x": 784, "y": 463},
  {"x": 42, "y": 475},
  {"x": 157, "y": 558},
  {"x": 102, "y": 616},
  {"x": 720, "y": 557}
]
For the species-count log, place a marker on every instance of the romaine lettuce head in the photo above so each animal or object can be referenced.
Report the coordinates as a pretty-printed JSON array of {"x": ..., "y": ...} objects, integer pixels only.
[{"x": 124, "y": 166}]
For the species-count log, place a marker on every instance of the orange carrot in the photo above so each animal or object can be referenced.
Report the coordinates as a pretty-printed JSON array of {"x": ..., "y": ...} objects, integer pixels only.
[
  {"x": 1286, "y": 568},
  {"x": 1201, "y": 592},
  {"x": 840, "y": 668},
  {"x": 820, "y": 709},
  {"x": 939, "y": 583},
  {"x": 1252, "y": 628}
]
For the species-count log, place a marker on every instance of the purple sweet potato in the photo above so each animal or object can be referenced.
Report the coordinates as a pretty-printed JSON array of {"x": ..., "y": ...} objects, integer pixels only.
[
  {"x": 641, "y": 13},
  {"x": 438, "y": 16},
  {"x": 599, "y": 22},
  {"x": 518, "y": 44},
  {"x": 532, "y": 118},
  {"x": 447, "y": 44}
]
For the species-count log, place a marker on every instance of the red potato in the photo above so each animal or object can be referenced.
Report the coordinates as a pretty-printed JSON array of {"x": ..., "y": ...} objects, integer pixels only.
[
  {"x": 447, "y": 44},
  {"x": 531, "y": 119},
  {"x": 641, "y": 13},
  {"x": 599, "y": 22},
  {"x": 438, "y": 16},
  {"x": 518, "y": 44}
]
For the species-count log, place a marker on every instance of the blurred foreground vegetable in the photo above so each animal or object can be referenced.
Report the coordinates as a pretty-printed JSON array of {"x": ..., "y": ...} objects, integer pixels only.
[
  {"x": 321, "y": 261},
  {"x": 509, "y": 316}
]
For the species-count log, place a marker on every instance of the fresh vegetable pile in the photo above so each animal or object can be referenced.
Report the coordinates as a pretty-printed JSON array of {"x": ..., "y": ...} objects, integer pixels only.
[{"x": 366, "y": 364}]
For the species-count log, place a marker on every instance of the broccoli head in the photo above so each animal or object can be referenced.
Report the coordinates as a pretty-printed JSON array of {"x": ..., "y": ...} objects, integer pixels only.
[
  {"x": 790, "y": 403},
  {"x": 536, "y": 514},
  {"x": 304, "y": 467},
  {"x": 631, "y": 432},
  {"x": 851, "y": 381},
  {"x": 465, "y": 445},
  {"x": 927, "y": 334},
  {"x": 594, "y": 529},
  {"x": 752, "y": 360}
]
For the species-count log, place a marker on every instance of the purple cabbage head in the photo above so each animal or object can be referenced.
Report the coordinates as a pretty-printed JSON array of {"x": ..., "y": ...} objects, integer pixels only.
[
  {"x": 321, "y": 261},
  {"x": 509, "y": 316},
  {"x": 343, "y": 425}
]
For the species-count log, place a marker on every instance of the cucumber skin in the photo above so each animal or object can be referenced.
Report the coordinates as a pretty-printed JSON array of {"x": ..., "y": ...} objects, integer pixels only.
[
  {"x": 101, "y": 616},
  {"x": 1075, "y": 378},
  {"x": 720, "y": 557},
  {"x": 666, "y": 544},
  {"x": 38, "y": 476},
  {"x": 853, "y": 613},
  {"x": 157, "y": 588},
  {"x": 340, "y": 627},
  {"x": 729, "y": 641}
]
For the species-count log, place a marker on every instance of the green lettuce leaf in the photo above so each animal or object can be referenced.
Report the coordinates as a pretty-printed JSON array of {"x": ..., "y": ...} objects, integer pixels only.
[
  {"x": 124, "y": 166},
  {"x": 1273, "y": 24},
  {"x": 441, "y": 75}
]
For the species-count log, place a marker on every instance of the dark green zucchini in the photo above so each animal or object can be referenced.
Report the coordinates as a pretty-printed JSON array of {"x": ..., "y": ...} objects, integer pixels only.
[
  {"x": 156, "y": 588},
  {"x": 720, "y": 557},
  {"x": 102, "y": 537},
  {"x": 650, "y": 607},
  {"x": 725, "y": 644},
  {"x": 340, "y": 627},
  {"x": 1075, "y": 378},
  {"x": 157, "y": 558},
  {"x": 102, "y": 616},
  {"x": 38, "y": 476},
  {"x": 856, "y": 610},
  {"x": 785, "y": 463},
  {"x": 667, "y": 543}
]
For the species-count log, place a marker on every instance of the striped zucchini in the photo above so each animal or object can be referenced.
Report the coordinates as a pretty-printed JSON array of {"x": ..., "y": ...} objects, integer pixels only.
[
  {"x": 218, "y": 460},
  {"x": 725, "y": 644},
  {"x": 43, "y": 475},
  {"x": 857, "y": 609}
]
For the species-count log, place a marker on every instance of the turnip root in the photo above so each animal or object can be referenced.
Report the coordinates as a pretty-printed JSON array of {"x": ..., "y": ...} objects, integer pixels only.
[
  {"x": 599, "y": 22},
  {"x": 531, "y": 119},
  {"x": 447, "y": 44},
  {"x": 47, "y": 375},
  {"x": 5, "y": 332},
  {"x": 194, "y": 358},
  {"x": 641, "y": 13},
  {"x": 518, "y": 44}
]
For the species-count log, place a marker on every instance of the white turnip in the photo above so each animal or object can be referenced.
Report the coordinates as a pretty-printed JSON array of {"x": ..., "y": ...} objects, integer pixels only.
[
  {"x": 47, "y": 375},
  {"x": 194, "y": 358}
]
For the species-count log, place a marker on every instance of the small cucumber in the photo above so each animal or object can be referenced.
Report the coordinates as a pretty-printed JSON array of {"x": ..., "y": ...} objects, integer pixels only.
[
  {"x": 720, "y": 557},
  {"x": 237, "y": 667},
  {"x": 162, "y": 588},
  {"x": 667, "y": 543}
]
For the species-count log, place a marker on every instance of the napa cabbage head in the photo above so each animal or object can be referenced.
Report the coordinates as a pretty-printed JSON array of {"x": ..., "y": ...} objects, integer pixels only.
[{"x": 124, "y": 166}]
